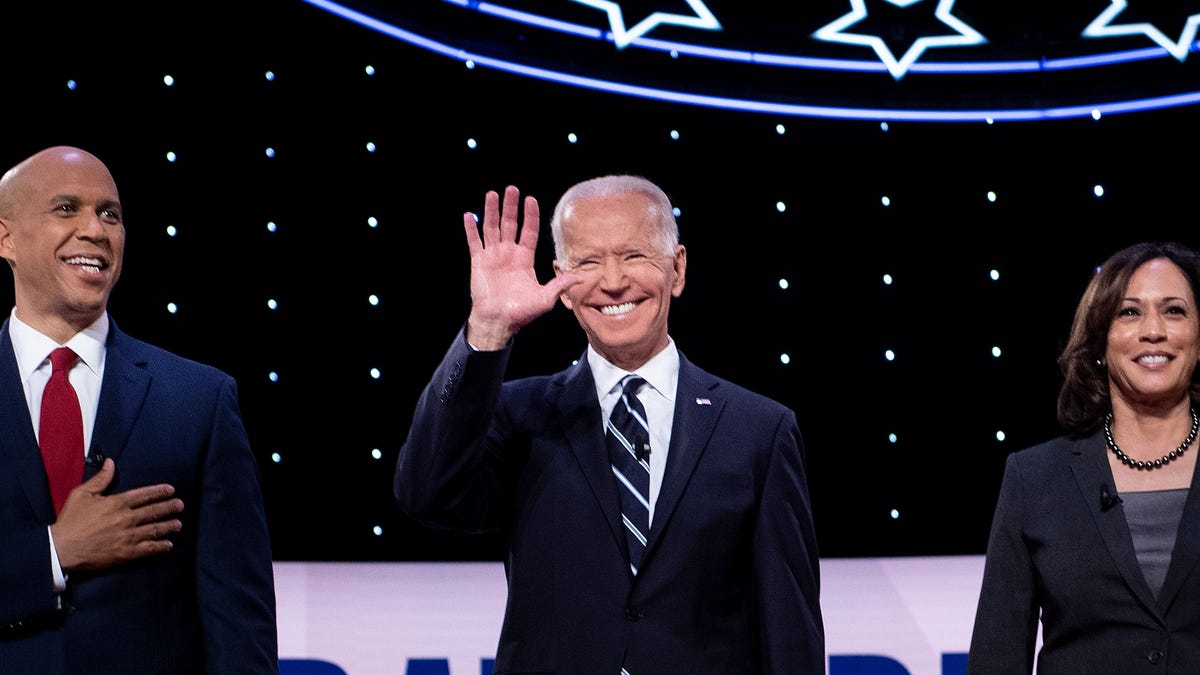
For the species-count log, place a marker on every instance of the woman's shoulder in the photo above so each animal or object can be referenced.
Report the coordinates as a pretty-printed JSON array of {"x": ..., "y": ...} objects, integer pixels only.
[{"x": 1055, "y": 449}]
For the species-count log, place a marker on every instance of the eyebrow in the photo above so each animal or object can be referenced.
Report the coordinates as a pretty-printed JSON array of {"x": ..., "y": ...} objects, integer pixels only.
[{"x": 1170, "y": 298}]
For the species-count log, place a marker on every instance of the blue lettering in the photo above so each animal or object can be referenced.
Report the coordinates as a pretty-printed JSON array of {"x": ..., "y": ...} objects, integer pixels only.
[
  {"x": 954, "y": 664},
  {"x": 869, "y": 664},
  {"x": 442, "y": 667},
  {"x": 308, "y": 667},
  {"x": 428, "y": 667},
  {"x": 864, "y": 664}
]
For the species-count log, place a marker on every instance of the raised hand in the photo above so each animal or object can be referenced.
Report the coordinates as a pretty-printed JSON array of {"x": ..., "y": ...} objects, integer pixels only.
[
  {"x": 505, "y": 292},
  {"x": 95, "y": 530}
]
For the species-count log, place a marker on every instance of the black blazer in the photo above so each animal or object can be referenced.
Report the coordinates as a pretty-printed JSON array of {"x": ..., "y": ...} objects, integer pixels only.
[
  {"x": 206, "y": 606},
  {"x": 730, "y": 578},
  {"x": 1059, "y": 548}
]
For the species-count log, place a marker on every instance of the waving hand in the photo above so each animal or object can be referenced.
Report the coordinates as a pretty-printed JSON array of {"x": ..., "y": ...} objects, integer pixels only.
[{"x": 505, "y": 292}]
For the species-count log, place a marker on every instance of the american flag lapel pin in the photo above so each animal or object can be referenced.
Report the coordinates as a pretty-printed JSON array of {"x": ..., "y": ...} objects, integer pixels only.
[{"x": 703, "y": 401}]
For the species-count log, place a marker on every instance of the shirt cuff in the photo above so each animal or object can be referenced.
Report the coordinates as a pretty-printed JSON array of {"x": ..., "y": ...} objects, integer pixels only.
[{"x": 60, "y": 579}]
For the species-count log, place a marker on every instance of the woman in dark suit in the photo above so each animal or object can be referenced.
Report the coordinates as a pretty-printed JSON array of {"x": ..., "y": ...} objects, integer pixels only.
[{"x": 1096, "y": 534}]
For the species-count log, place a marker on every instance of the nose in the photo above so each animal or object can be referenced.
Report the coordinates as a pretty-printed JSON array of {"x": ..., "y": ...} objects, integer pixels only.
[
  {"x": 91, "y": 227},
  {"x": 1153, "y": 328},
  {"x": 612, "y": 275}
]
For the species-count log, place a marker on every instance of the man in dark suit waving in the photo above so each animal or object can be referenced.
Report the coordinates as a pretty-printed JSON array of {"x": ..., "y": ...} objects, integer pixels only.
[
  {"x": 134, "y": 540},
  {"x": 658, "y": 527}
]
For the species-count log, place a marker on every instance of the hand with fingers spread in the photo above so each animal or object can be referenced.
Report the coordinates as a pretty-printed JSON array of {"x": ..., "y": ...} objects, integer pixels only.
[
  {"x": 505, "y": 292},
  {"x": 95, "y": 530},
  {"x": 530, "y": 456}
]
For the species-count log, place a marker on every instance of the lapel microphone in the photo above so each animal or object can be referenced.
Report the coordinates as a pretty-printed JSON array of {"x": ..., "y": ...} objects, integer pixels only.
[
  {"x": 1108, "y": 499},
  {"x": 92, "y": 463}
]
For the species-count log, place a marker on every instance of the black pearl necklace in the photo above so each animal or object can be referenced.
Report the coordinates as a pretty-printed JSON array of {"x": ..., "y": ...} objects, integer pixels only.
[{"x": 1155, "y": 464}]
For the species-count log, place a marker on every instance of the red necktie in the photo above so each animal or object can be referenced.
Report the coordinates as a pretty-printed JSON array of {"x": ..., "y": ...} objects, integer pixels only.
[{"x": 60, "y": 431}]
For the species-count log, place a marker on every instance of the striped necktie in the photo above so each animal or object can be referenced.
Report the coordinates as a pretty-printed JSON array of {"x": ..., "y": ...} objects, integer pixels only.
[{"x": 629, "y": 453}]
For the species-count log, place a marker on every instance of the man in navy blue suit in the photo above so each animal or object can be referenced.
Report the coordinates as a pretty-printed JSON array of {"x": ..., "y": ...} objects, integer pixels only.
[
  {"x": 158, "y": 561},
  {"x": 722, "y": 575}
]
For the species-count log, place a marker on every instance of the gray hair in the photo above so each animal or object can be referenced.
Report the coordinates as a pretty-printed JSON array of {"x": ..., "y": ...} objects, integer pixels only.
[{"x": 661, "y": 211}]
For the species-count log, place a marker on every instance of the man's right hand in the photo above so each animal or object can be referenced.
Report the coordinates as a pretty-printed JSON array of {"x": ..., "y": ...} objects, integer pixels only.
[
  {"x": 505, "y": 293},
  {"x": 95, "y": 530}
]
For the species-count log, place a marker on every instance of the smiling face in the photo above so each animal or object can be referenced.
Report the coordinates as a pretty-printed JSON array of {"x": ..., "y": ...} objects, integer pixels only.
[
  {"x": 1154, "y": 340},
  {"x": 626, "y": 278},
  {"x": 62, "y": 232}
]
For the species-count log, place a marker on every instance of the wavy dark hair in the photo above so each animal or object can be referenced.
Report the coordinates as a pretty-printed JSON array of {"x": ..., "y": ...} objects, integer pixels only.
[{"x": 1084, "y": 400}]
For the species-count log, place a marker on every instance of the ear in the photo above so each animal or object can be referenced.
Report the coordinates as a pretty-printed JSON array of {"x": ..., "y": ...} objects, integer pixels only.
[
  {"x": 680, "y": 265},
  {"x": 566, "y": 301},
  {"x": 7, "y": 246}
]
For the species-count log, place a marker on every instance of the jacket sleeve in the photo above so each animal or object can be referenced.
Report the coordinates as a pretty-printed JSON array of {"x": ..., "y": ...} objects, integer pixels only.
[
  {"x": 786, "y": 562},
  {"x": 234, "y": 576},
  {"x": 1004, "y": 636},
  {"x": 448, "y": 471},
  {"x": 26, "y": 586}
]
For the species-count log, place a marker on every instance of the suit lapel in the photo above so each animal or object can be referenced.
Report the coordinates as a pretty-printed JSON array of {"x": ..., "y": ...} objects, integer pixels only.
[
  {"x": 697, "y": 407},
  {"x": 18, "y": 442},
  {"x": 1186, "y": 554},
  {"x": 1089, "y": 464},
  {"x": 122, "y": 393},
  {"x": 579, "y": 416}
]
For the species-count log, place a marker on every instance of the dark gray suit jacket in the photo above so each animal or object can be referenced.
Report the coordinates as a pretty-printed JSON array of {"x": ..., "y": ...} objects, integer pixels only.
[
  {"x": 1056, "y": 548},
  {"x": 730, "y": 578}
]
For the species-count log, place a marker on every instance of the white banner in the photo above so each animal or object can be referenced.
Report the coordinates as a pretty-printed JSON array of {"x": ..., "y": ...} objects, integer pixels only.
[{"x": 883, "y": 616}]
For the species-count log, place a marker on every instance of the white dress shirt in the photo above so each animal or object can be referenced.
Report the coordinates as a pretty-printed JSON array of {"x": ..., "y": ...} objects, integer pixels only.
[
  {"x": 658, "y": 398},
  {"x": 32, "y": 350}
]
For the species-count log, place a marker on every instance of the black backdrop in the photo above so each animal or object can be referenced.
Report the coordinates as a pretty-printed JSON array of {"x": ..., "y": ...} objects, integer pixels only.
[{"x": 945, "y": 395}]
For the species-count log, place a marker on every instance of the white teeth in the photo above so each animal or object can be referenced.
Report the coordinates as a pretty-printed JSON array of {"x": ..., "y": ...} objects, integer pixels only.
[
  {"x": 91, "y": 264},
  {"x": 613, "y": 310},
  {"x": 1158, "y": 358}
]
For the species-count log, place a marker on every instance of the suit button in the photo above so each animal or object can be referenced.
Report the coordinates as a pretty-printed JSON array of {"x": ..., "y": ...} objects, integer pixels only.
[
  {"x": 1155, "y": 656},
  {"x": 633, "y": 613}
]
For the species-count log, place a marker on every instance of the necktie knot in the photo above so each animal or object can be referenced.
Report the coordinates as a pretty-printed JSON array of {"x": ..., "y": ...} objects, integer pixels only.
[
  {"x": 62, "y": 359},
  {"x": 631, "y": 384}
]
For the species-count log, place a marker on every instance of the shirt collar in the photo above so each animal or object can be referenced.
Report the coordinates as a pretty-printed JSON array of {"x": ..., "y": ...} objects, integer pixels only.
[
  {"x": 32, "y": 347},
  {"x": 661, "y": 372}
]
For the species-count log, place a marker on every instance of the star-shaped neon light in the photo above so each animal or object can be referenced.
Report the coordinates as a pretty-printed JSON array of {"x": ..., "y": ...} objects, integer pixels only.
[
  {"x": 966, "y": 36},
  {"x": 1102, "y": 26},
  {"x": 623, "y": 36}
]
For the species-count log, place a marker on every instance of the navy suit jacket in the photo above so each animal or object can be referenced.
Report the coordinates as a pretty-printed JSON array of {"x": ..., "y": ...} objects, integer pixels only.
[
  {"x": 206, "y": 606},
  {"x": 1058, "y": 549},
  {"x": 730, "y": 578}
]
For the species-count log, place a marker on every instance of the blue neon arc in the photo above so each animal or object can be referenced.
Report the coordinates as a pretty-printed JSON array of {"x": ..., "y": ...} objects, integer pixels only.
[
  {"x": 816, "y": 63},
  {"x": 1095, "y": 109}
]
